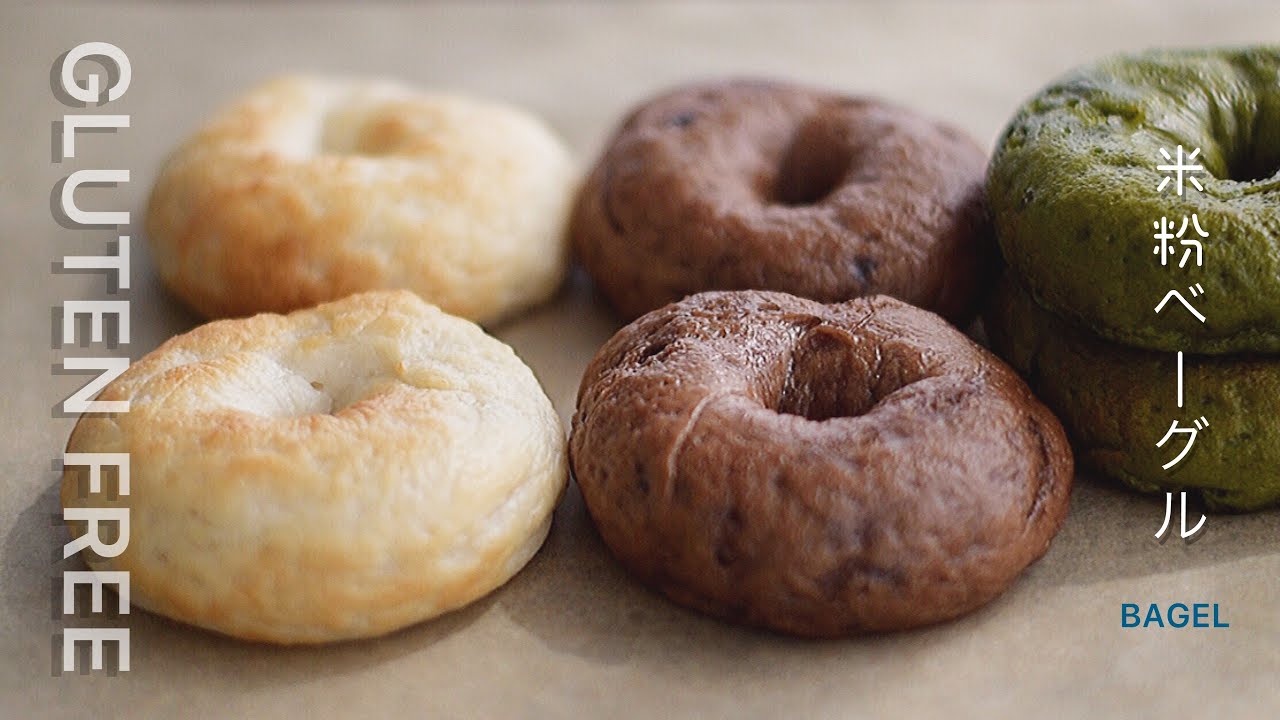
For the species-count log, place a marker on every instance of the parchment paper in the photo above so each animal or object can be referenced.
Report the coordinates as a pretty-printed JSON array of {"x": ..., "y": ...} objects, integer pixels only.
[{"x": 572, "y": 636}]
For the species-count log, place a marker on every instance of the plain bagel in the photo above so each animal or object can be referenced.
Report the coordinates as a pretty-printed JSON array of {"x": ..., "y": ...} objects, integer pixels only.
[
  {"x": 336, "y": 473},
  {"x": 310, "y": 189}
]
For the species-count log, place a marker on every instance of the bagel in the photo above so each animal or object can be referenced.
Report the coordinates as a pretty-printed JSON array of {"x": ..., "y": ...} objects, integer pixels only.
[
  {"x": 336, "y": 473},
  {"x": 310, "y": 189},
  {"x": 1073, "y": 190},
  {"x": 1117, "y": 402},
  {"x": 816, "y": 469},
  {"x": 750, "y": 184}
]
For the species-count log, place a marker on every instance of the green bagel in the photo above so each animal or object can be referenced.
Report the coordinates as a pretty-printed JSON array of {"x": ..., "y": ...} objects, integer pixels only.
[
  {"x": 1116, "y": 402},
  {"x": 1072, "y": 188}
]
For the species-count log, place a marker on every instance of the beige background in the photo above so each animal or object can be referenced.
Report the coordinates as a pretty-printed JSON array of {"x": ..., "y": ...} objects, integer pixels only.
[{"x": 571, "y": 635}]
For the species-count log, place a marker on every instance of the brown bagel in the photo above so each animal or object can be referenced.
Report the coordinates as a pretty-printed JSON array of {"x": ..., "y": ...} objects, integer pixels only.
[
  {"x": 770, "y": 186},
  {"x": 816, "y": 469}
]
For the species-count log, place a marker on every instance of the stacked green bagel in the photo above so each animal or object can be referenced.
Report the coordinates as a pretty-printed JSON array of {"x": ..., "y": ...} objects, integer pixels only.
[{"x": 1073, "y": 191}]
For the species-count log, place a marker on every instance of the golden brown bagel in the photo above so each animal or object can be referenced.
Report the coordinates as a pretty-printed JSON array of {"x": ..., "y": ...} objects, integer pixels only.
[{"x": 307, "y": 190}]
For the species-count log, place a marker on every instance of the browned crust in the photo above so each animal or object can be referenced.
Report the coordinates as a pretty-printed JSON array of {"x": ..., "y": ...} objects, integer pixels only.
[
  {"x": 307, "y": 190},
  {"x": 336, "y": 473}
]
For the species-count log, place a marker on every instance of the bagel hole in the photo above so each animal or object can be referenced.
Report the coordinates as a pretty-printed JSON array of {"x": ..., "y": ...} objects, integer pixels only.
[
  {"x": 366, "y": 132},
  {"x": 820, "y": 401},
  {"x": 828, "y": 377},
  {"x": 808, "y": 176},
  {"x": 1250, "y": 167},
  {"x": 328, "y": 382},
  {"x": 812, "y": 167},
  {"x": 1256, "y": 154}
]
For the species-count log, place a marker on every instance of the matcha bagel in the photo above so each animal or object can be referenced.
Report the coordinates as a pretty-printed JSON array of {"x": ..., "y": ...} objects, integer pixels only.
[
  {"x": 1117, "y": 402},
  {"x": 1073, "y": 189}
]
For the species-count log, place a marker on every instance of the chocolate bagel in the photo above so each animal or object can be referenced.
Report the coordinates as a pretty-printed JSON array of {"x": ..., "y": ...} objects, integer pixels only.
[
  {"x": 816, "y": 469},
  {"x": 763, "y": 185}
]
